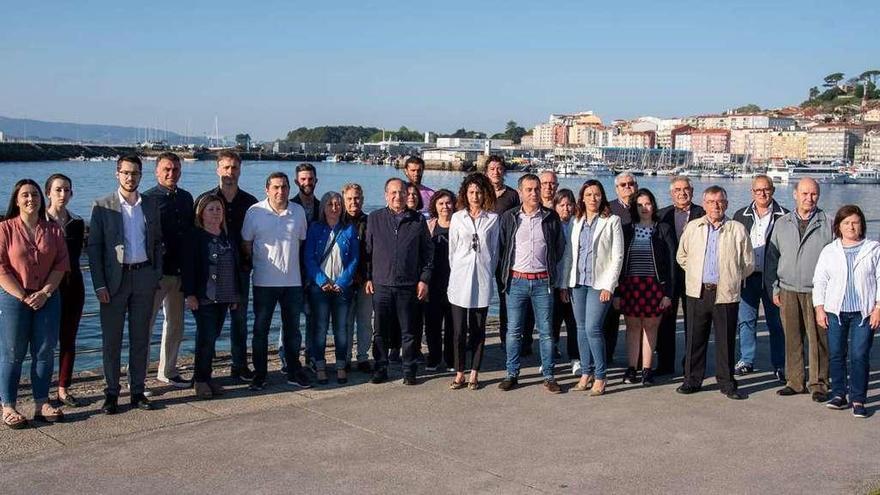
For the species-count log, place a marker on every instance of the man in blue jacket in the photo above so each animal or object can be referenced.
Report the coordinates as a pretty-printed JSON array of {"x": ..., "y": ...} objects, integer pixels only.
[{"x": 399, "y": 263}]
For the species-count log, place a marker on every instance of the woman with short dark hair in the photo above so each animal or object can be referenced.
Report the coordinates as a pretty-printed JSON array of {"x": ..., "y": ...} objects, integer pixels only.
[
  {"x": 437, "y": 311},
  {"x": 33, "y": 260},
  {"x": 846, "y": 295}
]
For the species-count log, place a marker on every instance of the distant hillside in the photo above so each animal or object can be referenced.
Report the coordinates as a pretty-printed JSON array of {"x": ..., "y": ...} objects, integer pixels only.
[{"x": 86, "y": 133}]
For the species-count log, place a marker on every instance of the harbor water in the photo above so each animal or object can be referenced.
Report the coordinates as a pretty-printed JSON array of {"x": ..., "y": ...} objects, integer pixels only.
[{"x": 96, "y": 179}]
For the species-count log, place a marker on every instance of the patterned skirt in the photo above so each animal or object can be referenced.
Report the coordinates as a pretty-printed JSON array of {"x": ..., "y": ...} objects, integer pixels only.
[{"x": 640, "y": 297}]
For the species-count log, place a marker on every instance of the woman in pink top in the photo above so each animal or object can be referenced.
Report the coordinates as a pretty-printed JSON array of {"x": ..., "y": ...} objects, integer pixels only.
[{"x": 33, "y": 260}]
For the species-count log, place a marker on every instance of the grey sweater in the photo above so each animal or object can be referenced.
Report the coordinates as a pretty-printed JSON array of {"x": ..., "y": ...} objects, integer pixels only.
[{"x": 789, "y": 259}]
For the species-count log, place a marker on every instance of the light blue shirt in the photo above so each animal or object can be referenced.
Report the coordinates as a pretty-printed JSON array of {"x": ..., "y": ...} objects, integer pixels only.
[
  {"x": 710, "y": 262},
  {"x": 585, "y": 253},
  {"x": 851, "y": 300}
]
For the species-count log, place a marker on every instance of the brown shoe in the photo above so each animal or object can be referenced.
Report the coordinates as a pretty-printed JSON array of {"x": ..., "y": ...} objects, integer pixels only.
[
  {"x": 203, "y": 391},
  {"x": 598, "y": 388},
  {"x": 584, "y": 386},
  {"x": 552, "y": 387}
]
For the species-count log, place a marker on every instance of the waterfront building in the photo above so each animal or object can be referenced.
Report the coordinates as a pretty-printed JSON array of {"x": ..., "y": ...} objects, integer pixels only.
[
  {"x": 867, "y": 153},
  {"x": 543, "y": 136},
  {"x": 872, "y": 114},
  {"x": 754, "y": 143},
  {"x": 832, "y": 142},
  {"x": 745, "y": 121},
  {"x": 469, "y": 144},
  {"x": 710, "y": 141},
  {"x": 664, "y": 131},
  {"x": 634, "y": 139},
  {"x": 527, "y": 141},
  {"x": 2, "y": 137},
  {"x": 789, "y": 145}
]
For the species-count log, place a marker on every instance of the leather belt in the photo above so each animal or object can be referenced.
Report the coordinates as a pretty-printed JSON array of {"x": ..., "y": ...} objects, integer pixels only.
[
  {"x": 711, "y": 287},
  {"x": 530, "y": 276},
  {"x": 130, "y": 267}
]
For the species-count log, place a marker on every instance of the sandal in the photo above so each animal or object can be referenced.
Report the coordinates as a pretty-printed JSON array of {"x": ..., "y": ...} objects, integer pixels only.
[
  {"x": 474, "y": 385},
  {"x": 598, "y": 388},
  {"x": 457, "y": 385},
  {"x": 56, "y": 415},
  {"x": 584, "y": 387},
  {"x": 14, "y": 420}
]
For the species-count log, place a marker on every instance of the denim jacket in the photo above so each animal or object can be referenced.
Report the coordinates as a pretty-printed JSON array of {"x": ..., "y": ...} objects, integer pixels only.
[{"x": 316, "y": 244}]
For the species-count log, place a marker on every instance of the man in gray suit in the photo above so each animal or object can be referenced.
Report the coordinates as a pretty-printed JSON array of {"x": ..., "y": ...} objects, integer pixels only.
[{"x": 125, "y": 259}]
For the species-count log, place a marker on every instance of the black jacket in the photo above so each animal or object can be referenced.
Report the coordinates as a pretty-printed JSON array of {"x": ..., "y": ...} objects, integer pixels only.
[
  {"x": 200, "y": 265},
  {"x": 746, "y": 217},
  {"x": 398, "y": 255},
  {"x": 177, "y": 215},
  {"x": 553, "y": 236},
  {"x": 360, "y": 227},
  {"x": 663, "y": 248},
  {"x": 667, "y": 216}
]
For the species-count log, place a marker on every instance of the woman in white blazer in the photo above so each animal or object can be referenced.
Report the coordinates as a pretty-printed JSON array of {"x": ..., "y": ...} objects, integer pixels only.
[
  {"x": 847, "y": 302},
  {"x": 591, "y": 265},
  {"x": 473, "y": 254}
]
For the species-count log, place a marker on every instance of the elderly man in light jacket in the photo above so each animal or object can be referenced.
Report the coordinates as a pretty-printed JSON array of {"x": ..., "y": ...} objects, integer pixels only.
[{"x": 716, "y": 254}]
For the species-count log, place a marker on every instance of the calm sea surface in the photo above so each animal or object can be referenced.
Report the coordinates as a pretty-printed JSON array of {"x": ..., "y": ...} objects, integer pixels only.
[{"x": 96, "y": 179}]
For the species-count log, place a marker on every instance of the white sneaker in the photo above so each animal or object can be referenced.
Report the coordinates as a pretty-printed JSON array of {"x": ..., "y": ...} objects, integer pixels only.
[{"x": 576, "y": 367}]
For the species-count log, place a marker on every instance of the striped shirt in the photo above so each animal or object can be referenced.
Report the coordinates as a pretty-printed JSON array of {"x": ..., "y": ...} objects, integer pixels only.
[
  {"x": 851, "y": 301},
  {"x": 641, "y": 256}
]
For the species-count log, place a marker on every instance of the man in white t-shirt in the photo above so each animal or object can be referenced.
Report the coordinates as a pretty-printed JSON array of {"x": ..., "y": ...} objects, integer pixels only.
[{"x": 271, "y": 236}]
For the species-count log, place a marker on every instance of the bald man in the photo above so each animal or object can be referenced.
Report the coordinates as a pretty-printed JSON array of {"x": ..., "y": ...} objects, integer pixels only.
[{"x": 797, "y": 239}]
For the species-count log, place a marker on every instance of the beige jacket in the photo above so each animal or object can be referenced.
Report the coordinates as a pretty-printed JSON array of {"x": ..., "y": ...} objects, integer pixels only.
[{"x": 736, "y": 258}]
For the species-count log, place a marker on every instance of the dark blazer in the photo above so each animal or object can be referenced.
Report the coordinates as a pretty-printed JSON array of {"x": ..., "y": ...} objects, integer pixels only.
[
  {"x": 398, "y": 255},
  {"x": 746, "y": 216},
  {"x": 107, "y": 241},
  {"x": 554, "y": 237},
  {"x": 198, "y": 248},
  {"x": 663, "y": 248},
  {"x": 667, "y": 216}
]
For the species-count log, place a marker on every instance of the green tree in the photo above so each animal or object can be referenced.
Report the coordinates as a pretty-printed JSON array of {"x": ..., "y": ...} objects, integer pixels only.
[
  {"x": 814, "y": 92},
  {"x": 870, "y": 76},
  {"x": 750, "y": 108},
  {"x": 831, "y": 80}
]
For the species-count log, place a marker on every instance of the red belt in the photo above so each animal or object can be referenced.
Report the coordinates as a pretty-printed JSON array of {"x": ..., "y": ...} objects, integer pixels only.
[{"x": 530, "y": 276}]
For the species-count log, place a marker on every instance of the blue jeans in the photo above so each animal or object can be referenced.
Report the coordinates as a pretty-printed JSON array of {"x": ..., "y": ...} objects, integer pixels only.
[
  {"x": 754, "y": 294},
  {"x": 22, "y": 328},
  {"x": 590, "y": 316},
  {"x": 324, "y": 305},
  {"x": 209, "y": 322},
  {"x": 843, "y": 327},
  {"x": 539, "y": 295},
  {"x": 265, "y": 299}
]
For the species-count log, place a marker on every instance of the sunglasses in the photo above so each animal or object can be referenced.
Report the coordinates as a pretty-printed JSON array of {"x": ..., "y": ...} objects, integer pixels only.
[
  {"x": 475, "y": 243},
  {"x": 627, "y": 184}
]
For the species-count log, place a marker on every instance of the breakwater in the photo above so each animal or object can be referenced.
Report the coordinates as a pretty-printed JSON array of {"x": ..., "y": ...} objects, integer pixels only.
[{"x": 37, "y": 152}]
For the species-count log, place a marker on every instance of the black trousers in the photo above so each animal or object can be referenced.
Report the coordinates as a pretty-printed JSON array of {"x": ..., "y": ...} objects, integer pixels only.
[
  {"x": 395, "y": 310},
  {"x": 563, "y": 313},
  {"x": 438, "y": 329},
  {"x": 703, "y": 315},
  {"x": 611, "y": 328},
  {"x": 528, "y": 322},
  {"x": 666, "y": 332},
  {"x": 470, "y": 335}
]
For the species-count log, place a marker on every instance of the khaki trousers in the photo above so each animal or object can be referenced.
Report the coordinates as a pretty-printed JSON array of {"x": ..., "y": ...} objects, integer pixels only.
[
  {"x": 799, "y": 318},
  {"x": 170, "y": 299}
]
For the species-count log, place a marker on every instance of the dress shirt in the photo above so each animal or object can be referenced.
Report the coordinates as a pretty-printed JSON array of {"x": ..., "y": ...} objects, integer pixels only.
[
  {"x": 471, "y": 276},
  {"x": 531, "y": 248},
  {"x": 710, "y": 263},
  {"x": 758, "y": 235},
  {"x": 585, "y": 253},
  {"x": 681, "y": 219},
  {"x": 134, "y": 229}
]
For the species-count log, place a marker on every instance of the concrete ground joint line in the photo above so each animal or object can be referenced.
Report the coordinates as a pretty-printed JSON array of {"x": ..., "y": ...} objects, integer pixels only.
[
  {"x": 49, "y": 436},
  {"x": 416, "y": 447}
]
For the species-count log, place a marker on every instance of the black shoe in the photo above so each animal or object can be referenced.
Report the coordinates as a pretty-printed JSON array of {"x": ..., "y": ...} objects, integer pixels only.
[
  {"x": 243, "y": 374},
  {"x": 139, "y": 401},
  {"x": 364, "y": 367},
  {"x": 859, "y": 411},
  {"x": 687, "y": 389},
  {"x": 735, "y": 395},
  {"x": 300, "y": 379},
  {"x": 257, "y": 384},
  {"x": 410, "y": 380},
  {"x": 111, "y": 404},
  {"x": 630, "y": 376},
  {"x": 742, "y": 369},
  {"x": 837, "y": 403},
  {"x": 779, "y": 373},
  {"x": 70, "y": 401},
  {"x": 379, "y": 376},
  {"x": 787, "y": 391},
  {"x": 647, "y": 377},
  {"x": 508, "y": 383},
  {"x": 820, "y": 396}
]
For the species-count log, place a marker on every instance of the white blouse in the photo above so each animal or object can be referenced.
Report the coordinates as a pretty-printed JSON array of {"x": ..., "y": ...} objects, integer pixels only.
[{"x": 472, "y": 272}]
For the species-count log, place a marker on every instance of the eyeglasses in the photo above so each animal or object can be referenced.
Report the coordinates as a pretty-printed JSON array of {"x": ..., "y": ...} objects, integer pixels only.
[
  {"x": 475, "y": 243},
  {"x": 627, "y": 184},
  {"x": 765, "y": 190}
]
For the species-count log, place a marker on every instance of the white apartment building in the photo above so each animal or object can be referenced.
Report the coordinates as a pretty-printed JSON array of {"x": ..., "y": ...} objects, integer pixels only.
[
  {"x": 470, "y": 144},
  {"x": 830, "y": 145}
]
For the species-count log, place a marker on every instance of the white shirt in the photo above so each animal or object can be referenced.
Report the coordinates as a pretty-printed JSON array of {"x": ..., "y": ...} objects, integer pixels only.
[
  {"x": 758, "y": 235},
  {"x": 276, "y": 241},
  {"x": 134, "y": 231},
  {"x": 472, "y": 273}
]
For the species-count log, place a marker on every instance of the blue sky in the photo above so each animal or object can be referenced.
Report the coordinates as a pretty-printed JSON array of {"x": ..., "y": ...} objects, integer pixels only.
[{"x": 268, "y": 67}]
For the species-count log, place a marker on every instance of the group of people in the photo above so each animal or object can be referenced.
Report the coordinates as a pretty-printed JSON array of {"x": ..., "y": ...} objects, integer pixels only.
[{"x": 427, "y": 265}]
